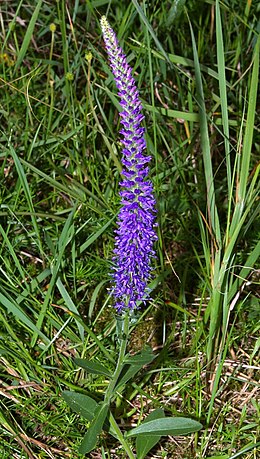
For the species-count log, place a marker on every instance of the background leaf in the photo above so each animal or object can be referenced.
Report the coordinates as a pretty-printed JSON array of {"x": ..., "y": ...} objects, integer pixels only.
[{"x": 28, "y": 35}]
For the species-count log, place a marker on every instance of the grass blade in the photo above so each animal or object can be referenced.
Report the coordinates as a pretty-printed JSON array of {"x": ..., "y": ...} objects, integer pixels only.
[
  {"x": 223, "y": 91},
  {"x": 149, "y": 27},
  {"x": 205, "y": 145},
  {"x": 28, "y": 34},
  {"x": 64, "y": 239},
  {"x": 27, "y": 192},
  {"x": 20, "y": 315},
  {"x": 248, "y": 138}
]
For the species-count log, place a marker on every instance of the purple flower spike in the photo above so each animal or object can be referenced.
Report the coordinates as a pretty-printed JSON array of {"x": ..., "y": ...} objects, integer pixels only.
[{"x": 135, "y": 234}]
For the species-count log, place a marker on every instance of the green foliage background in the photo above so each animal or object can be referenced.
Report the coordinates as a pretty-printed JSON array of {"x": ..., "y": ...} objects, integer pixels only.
[{"x": 196, "y": 66}]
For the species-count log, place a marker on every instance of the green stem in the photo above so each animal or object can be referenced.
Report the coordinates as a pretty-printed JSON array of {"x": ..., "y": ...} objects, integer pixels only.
[
  {"x": 123, "y": 338},
  {"x": 120, "y": 437},
  {"x": 123, "y": 343}
]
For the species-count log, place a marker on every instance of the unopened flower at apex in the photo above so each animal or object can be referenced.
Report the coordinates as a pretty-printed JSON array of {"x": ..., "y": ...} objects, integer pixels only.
[{"x": 135, "y": 234}]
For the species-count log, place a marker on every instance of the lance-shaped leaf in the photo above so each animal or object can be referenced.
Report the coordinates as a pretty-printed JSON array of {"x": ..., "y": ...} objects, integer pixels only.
[
  {"x": 144, "y": 443},
  {"x": 93, "y": 367},
  {"x": 81, "y": 404},
  {"x": 166, "y": 426},
  {"x": 133, "y": 364},
  {"x": 90, "y": 438}
]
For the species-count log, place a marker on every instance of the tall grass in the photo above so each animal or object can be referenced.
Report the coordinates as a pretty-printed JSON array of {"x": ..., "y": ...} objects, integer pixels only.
[{"x": 197, "y": 71}]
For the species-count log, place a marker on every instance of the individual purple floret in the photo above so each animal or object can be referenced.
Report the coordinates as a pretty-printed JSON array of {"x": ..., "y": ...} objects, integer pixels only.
[{"x": 136, "y": 220}]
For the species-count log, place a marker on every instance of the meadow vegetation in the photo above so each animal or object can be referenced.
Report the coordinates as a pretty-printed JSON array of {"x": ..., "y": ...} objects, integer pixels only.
[{"x": 196, "y": 65}]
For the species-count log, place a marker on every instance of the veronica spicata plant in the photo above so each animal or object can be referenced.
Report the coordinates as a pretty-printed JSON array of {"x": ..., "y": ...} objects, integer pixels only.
[
  {"x": 132, "y": 256},
  {"x": 135, "y": 234}
]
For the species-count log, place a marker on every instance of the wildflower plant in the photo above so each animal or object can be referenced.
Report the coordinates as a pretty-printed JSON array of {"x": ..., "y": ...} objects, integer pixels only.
[
  {"x": 133, "y": 253},
  {"x": 135, "y": 233}
]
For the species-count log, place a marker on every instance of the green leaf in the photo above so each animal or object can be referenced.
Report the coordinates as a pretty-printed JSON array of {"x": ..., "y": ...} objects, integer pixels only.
[
  {"x": 143, "y": 358},
  {"x": 205, "y": 145},
  {"x": 166, "y": 426},
  {"x": 223, "y": 91},
  {"x": 94, "y": 297},
  {"x": 225, "y": 456},
  {"x": 249, "y": 132},
  {"x": 133, "y": 365},
  {"x": 145, "y": 443},
  {"x": 150, "y": 29},
  {"x": 28, "y": 195},
  {"x": 174, "y": 12},
  {"x": 28, "y": 35},
  {"x": 81, "y": 404},
  {"x": 16, "y": 310},
  {"x": 187, "y": 116},
  {"x": 90, "y": 439},
  {"x": 62, "y": 243},
  {"x": 70, "y": 305},
  {"x": 247, "y": 448},
  {"x": 95, "y": 236},
  {"x": 92, "y": 367}
]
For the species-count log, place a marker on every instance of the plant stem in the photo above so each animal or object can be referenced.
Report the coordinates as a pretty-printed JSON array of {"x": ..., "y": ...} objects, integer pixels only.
[
  {"x": 123, "y": 338},
  {"x": 120, "y": 437},
  {"x": 123, "y": 343}
]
